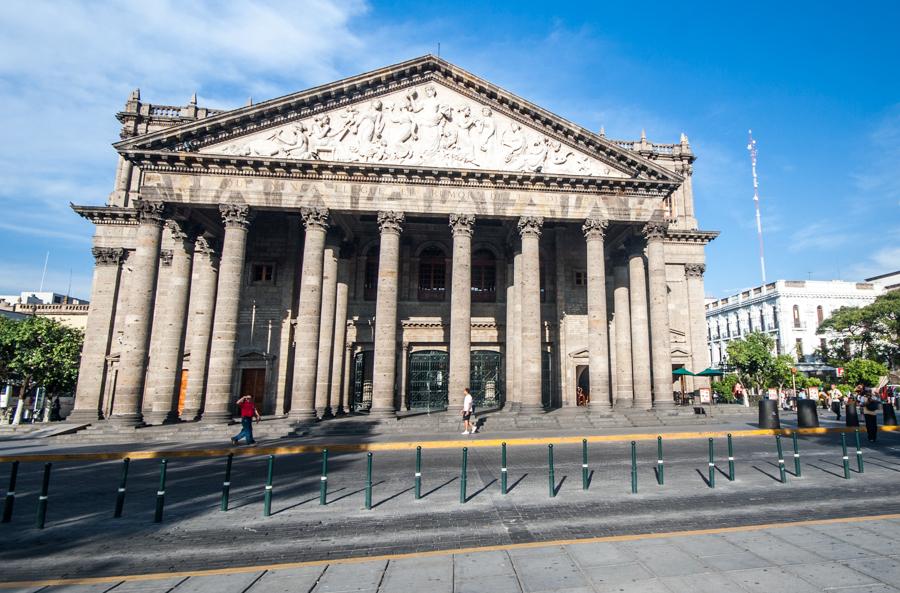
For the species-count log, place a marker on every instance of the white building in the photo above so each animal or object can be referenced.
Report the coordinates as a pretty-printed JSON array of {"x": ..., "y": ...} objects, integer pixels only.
[
  {"x": 889, "y": 281},
  {"x": 788, "y": 310},
  {"x": 41, "y": 298}
]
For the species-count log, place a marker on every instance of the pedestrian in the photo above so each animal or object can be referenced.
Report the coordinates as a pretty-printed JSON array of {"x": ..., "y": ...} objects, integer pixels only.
[
  {"x": 248, "y": 414},
  {"x": 836, "y": 397},
  {"x": 870, "y": 412},
  {"x": 468, "y": 408},
  {"x": 738, "y": 392}
]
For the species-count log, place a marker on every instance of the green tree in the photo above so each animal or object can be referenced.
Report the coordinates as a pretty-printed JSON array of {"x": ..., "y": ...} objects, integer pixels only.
[
  {"x": 752, "y": 357},
  {"x": 862, "y": 371},
  {"x": 872, "y": 331}
]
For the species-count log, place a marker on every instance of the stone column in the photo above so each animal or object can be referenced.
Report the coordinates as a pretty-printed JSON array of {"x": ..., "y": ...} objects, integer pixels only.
[
  {"x": 306, "y": 335},
  {"x": 164, "y": 379},
  {"x": 640, "y": 326},
  {"x": 126, "y": 408},
  {"x": 660, "y": 342},
  {"x": 624, "y": 385},
  {"x": 223, "y": 349},
  {"x": 530, "y": 297},
  {"x": 348, "y": 367},
  {"x": 511, "y": 335},
  {"x": 390, "y": 225},
  {"x": 462, "y": 226},
  {"x": 598, "y": 341},
  {"x": 342, "y": 293},
  {"x": 97, "y": 334},
  {"x": 404, "y": 361},
  {"x": 202, "y": 309},
  {"x": 697, "y": 315},
  {"x": 326, "y": 333}
]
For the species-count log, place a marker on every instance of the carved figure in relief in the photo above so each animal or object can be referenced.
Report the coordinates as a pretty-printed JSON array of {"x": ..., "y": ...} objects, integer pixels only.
[
  {"x": 487, "y": 127},
  {"x": 402, "y": 135},
  {"x": 535, "y": 154},
  {"x": 465, "y": 125},
  {"x": 371, "y": 124},
  {"x": 514, "y": 141}
]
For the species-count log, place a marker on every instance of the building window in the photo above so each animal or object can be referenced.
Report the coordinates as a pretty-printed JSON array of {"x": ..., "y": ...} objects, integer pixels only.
[
  {"x": 774, "y": 318},
  {"x": 799, "y": 347},
  {"x": 580, "y": 278},
  {"x": 262, "y": 273},
  {"x": 484, "y": 277},
  {"x": 727, "y": 328},
  {"x": 823, "y": 346},
  {"x": 432, "y": 274},
  {"x": 820, "y": 314},
  {"x": 762, "y": 320},
  {"x": 370, "y": 281},
  {"x": 796, "y": 316},
  {"x": 543, "y": 285}
]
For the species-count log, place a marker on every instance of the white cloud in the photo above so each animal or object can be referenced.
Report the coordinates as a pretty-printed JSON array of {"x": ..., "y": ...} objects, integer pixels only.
[{"x": 883, "y": 261}]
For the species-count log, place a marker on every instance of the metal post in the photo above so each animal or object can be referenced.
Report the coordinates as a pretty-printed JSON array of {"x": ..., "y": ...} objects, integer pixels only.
[
  {"x": 859, "y": 460},
  {"x": 10, "y": 500},
  {"x": 267, "y": 498},
  {"x": 712, "y": 464},
  {"x": 633, "y": 468},
  {"x": 368, "y": 481},
  {"x": 846, "y": 458},
  {"x": 323, "y": 482},
  {"x": 120, "y": 495},
  {"x": 551, "y": 475},
  {"x": 503, "y": 471},
  {"x": 226, "y": 485},
  {"x": 462, "y": 475},
  {"x": 161, "y": 492},
  {"x": 660, "y": 479},
  {"x": 780, "y": 459},
  {"x": 797, "y": 469},
  {"x": 418, "y": 473},
  {"x": 730, "y": 459},
  {"x": 42, "y": 499},
  {"x": 584, "y": 465}
]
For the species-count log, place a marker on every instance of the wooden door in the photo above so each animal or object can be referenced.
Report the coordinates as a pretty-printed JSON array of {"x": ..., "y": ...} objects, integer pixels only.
[
  {"x": 182, "y": 390},
  {"x": 253, "y": 382}
]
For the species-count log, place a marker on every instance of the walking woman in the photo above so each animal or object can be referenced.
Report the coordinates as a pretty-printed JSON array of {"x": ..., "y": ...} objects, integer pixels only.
[{"x": 870, "y": 411}]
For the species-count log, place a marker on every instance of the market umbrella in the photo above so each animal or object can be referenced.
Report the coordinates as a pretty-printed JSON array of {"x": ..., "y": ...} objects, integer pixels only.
[
  {"x": 710, "y": 372},
  {"x": 682, "y": 373}
]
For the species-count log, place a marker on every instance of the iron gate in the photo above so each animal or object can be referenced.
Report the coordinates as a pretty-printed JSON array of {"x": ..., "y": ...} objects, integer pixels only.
[
  {"x": 547, "y": 379},
  {"x": 428, "y": 371},
  {"x": 486, "y": 378},
  {"x": 361, "y": 398}
]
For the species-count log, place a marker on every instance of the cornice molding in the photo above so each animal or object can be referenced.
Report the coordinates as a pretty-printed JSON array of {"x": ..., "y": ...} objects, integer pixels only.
[
  {"x": 107, "y": 215},
  {"x": 690, "y": 236}
]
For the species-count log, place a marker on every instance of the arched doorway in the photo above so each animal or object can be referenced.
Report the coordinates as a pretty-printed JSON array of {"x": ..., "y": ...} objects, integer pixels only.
[
  {"x": 427, "y": 387},
  {"x": 486, "y": 378},
  {"x": 583, "y": 381}
]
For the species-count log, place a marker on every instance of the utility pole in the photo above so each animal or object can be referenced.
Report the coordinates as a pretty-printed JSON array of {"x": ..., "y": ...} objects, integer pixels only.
[{"x": 751, "y": 146}]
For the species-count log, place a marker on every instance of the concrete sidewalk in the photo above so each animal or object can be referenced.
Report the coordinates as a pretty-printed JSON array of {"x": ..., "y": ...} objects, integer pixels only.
[{"x": 851, "y": 556}]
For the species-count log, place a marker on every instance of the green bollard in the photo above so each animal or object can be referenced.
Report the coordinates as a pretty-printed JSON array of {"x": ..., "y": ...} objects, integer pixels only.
[
  {"x": 462, "y": 475},
  {"x": 418, "y": 473},
  {"x": 859, "y": 460},
  {"x": 584, "y": 465},
  {"x": 551, "y": 476},
  {"x": 267, "y": 498},
  {"x": 161, "y": 492},
  {"x": 633, "y": 468},
  {"x": 660, "y": 479},
  {"x": 712, "y": 464},
  {"x": 42, "y": 499},
  {"x": 226, "y": 485},
  {"x": 503, "y": 471},
  {"x": 796, "y": 454},
  {"x": 780, "y": 459},
  {"x": 323, "y": 481},
  {"x": 730, "y": 459},
  {"x": 368, "y": 481},
  {"x": 120, "y": 494},
  {"x": 10, "y": 500},
  {"x": 846, "y": 458}
]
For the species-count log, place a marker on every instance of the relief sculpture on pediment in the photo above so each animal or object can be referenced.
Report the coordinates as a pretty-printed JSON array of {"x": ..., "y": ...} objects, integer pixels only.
[{"x": 428, "y": 125}]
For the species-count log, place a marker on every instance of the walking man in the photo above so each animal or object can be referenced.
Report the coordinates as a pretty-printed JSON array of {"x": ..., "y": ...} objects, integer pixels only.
[
  {"x": 467, "y": 409},
  {"x": 248, "y": 413}
]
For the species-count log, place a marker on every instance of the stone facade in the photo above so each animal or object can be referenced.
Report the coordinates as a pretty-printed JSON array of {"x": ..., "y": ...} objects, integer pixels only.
[{"x": 380, "y": 243}]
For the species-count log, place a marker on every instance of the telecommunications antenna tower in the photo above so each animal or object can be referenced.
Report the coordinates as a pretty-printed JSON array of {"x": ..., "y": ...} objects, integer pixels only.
[{"x": 751, "y": 146}]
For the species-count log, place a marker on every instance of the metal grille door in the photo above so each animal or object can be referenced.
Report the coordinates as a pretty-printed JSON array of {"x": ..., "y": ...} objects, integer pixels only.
[
  {"x": 428, "y": 372},
  {"x": 547, "y": 379},
  {"x": 361, "y": 398},
  {"x": 486, "y": 379}
]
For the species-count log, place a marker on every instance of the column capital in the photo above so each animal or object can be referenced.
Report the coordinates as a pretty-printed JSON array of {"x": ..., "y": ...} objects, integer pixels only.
[
  {"x": 694, "y": 270},
  {"x": 183, "y": 230},
  {"x": 208, "y": 247},
  {"x": 390, "y": 221},
  {"x": 462, "y": 224},
  {"x": 530, "y": 225},
  {"x": 108, "y": 256},
  {"x": 655, "y": 230},
  {"x": 594, "y": 228},
  {"x": 314, "y": 218},
  {"x": 235, "y": 215},
  {"x": 150, "y": 212},
  {"x": 165, "y": 257}
]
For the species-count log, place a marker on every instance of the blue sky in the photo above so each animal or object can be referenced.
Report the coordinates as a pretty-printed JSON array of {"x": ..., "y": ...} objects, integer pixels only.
[{"x": 819, "y": 83}]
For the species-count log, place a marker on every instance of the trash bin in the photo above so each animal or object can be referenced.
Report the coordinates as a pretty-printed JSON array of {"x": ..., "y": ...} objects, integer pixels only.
[
  {"x": 890, "y": 418},
  {"x": 852, "y": 416},
  {"x": 807, "y": 416},
  {"x": 768, "y": 414}
]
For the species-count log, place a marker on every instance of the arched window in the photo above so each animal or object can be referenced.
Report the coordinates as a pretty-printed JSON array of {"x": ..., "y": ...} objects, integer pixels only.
[
  {"x": 484, "y": 276},
  {"x": 796, "y": 316},
  {"x": 820, "y": 314},
  {"x": 432, "y": 274},
  {"x": 370, "y": 281},
  {"x": 762, "y": 319}
]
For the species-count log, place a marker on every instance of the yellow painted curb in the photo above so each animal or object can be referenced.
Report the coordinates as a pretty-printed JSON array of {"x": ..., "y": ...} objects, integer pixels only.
[{"x": 470, "y": 550}]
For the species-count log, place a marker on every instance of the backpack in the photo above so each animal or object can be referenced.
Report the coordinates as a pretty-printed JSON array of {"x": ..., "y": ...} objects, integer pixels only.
[{"x": 872, "y": 405}]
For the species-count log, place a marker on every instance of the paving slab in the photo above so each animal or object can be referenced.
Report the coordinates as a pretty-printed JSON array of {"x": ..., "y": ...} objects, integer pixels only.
[
  {"x": 289, "y": 580},
  {"x": 547, "y": 569},
  {"x": 434, "y": 575},
  {"x": 770, "y": 580},
  {"x": 345, "y": 578},
  {"x": 224, "y": 583},
  {"x": 701, "y": 583}
]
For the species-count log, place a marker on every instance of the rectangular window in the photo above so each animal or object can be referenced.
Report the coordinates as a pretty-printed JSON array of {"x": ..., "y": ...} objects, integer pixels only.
[
  {"x": 580, "y": 278},
  {"x": 799, "y": 348},
  {"x": 262, "y": 273}
]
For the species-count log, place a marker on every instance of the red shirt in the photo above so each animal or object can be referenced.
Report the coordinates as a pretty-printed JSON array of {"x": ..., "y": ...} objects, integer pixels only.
[{"x": 248, "y": 408}]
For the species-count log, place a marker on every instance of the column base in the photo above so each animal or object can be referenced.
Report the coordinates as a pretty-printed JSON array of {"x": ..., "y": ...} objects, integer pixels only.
[
  {"x": 157, "y": 418},
  {"x": 216, "y": 418},
  {"x": 382, "y": 413},
  {"x": 189, "y": 415},
  {"x": 126, "y": 420},
  {"x": 530, "y": 409},
  {"x": 339, "y": 411},
  {"x": 83, "y": 417},
  {"x": 595, "y": 409},
  {"x": 326, "y": 413},
  {"x": 302, "y": 416}
]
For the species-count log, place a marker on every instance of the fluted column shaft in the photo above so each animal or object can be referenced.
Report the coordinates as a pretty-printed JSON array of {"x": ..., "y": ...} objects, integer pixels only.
[
  {"x": 462, "y": 226},
  {"x": 512, "y": 336},
  {"x": 640, "y": 328},
  {"x": 139, "y": 317},
  {"x": 342, "y": 294},
  {"x": 97, "y": 334},
  {"x": 598, "y": 340},
  {"x": 223, "y": 349},
  {"x": 622, "y": 305},
  {"x": 326, "y": 333},
  {"x": 202, "y": 310},
  {"x": 385, "y": 364},
  {"x": 660, "y": 342},
  {"x": 306, "y": 336},
  {"x": 699, "y": 346},
  {"x": 530, "y": 328}
]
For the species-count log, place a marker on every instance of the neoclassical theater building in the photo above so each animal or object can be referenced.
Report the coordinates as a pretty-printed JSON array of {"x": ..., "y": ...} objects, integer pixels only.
[{"x": 378, "y": 244}]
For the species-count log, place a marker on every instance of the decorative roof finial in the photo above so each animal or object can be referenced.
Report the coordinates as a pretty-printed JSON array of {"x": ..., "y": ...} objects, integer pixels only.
[
  {"x": 684, "y": 138},
  {"x": 135, "y": 95},
  {"x": 194, "y": 98},
  {"x": 643, "y": 134},
  {"x": 249, "y": 101},
  {"x": 602, "y": 132}
]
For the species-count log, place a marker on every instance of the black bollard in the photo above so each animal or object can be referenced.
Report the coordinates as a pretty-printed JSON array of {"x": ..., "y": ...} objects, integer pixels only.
[
  {"x": 730, "y": 459},
  {"x": 660, "y": 465},
  {"x": 368, "y": 481},
  {"x": 323, "y": 481},
  {"x": 551, "y": 477},
  {"x": 712, "y": 464},
  {"x": 634, "y": 476},
  {"x": 780, "y": 459},
  {"x": 418, "y": 475},
  {"x": 120, "y": 494},
  {"x": 584, "y": 465},
  {"x": 796, "y": 454},
  {"x": 852, "y": 415},
  {"x": 161, "y": 493},
  {"x": 42, "y": 499},
  {"x": 226, "y": 485},
  {"x": 10, "y": 493},
  {"x": 503, "y": 471},
  {"x": 267, "y": 497},
  {"x": 462, "y": 475}
]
